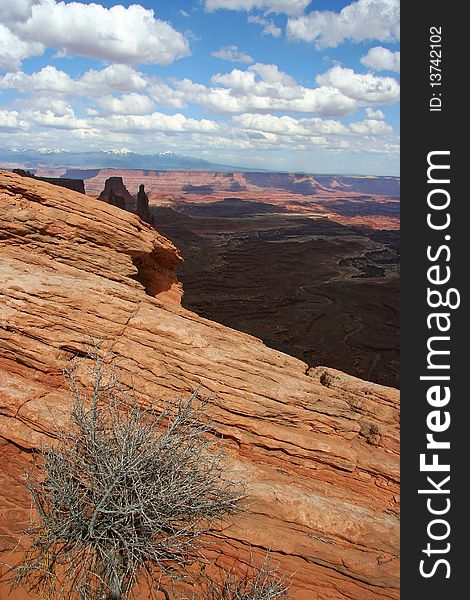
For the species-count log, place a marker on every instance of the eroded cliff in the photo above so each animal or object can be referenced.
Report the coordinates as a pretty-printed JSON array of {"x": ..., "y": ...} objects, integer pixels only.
[{"x": 317, "y": 448}]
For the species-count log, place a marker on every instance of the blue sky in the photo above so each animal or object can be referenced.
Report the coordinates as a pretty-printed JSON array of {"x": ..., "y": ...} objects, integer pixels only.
[{"x": 278, "y": 84}]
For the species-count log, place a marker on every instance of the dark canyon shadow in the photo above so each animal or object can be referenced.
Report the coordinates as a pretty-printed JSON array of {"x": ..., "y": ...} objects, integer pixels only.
[{"x": 324, "y": 292}]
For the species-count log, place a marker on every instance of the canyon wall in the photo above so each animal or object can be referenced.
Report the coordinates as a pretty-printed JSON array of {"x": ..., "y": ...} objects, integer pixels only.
[
  {"x": 370, "y": 201},
  {"x": 76, "y": 185}
]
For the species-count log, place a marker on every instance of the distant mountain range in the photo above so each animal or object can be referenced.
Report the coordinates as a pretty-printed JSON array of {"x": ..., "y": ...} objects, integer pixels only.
[{"x": 108, "y": 159}]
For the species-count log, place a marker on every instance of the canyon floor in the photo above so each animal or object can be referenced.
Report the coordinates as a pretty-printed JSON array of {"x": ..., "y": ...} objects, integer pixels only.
[
  {"x": 309, "y": 264},
  {"x": 313, "y": 288}
]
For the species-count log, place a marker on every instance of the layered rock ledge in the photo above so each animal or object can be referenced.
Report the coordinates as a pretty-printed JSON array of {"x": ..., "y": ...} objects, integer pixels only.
[{"x": 318, "y": 449}]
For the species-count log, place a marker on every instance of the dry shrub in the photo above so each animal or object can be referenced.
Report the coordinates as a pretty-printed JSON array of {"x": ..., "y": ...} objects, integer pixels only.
[
  {"x": 254, "y": 581},
  {"x": 124, "y": 495},
  {"x": 264, "y": 582}
]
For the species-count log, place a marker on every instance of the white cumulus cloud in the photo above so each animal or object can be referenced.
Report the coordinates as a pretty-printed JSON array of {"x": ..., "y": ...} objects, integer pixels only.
[
  {"x": 371, "y": 127},
  {"x": 246, "y": 81},
  {"x": 359, "y": 21},
  {"x": 48, "y": 118},
  {"x": 245, "y": 93},
  {"x": 118, "y": 34},
  {"x": 59, "y": 107},
  {"x": 265, "y": 88},
  {"x": 156, "y": 121},
  {"x": 286, "y": 125},
  {"x": 127, "y": 104},
  {"x": 8, "y": 119},
  {"x": 233, "y": 54},
  {"x": 382, "y": 59},
  {"x": 13, "y": 50},
  {"x": 48, "y": 79},
  {"x": 289, "y": 126},
  {"x": 365, "y": 88},
  {"x": 289, "y": 7},
  {"x": 165, "y": 95},
  {"x": 16, "y": 10},
  {"x": 374, "y": 114},
  {"x": 115, "y": 78},
  {"x": 272, "y": 74},
  {"x": 269, "y": 27}
]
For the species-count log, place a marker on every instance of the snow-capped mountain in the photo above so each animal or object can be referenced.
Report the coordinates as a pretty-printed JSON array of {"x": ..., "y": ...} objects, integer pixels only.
[
  {"x": 119, "y": 151},
  {"x": 50, "y": 150},
  {"x": 121, "y": 158}
]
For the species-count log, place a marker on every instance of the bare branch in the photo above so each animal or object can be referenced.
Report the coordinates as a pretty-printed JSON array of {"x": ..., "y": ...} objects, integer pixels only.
[
  {"x": 254, "y": 582},
  {"x": 124, "y": 494}
]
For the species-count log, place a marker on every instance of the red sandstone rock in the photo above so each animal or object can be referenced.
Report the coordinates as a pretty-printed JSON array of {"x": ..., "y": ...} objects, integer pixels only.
[
  {"x": 305, "y": 194},
  {"x": 142, "y": 209},
  {"x": 318, "y": 449},
  {"x": 116, "y": 194},
  {"x": 72, "y": 184}
]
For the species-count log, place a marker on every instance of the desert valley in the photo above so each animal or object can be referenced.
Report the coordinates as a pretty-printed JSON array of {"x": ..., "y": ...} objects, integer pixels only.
[{"x": 309, "y": 264}]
